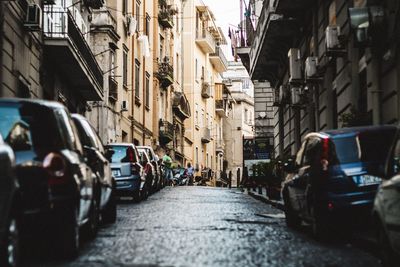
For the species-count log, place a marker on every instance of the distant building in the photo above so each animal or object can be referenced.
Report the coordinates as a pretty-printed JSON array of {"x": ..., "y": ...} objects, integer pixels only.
[{"x": 241, "y": 121}]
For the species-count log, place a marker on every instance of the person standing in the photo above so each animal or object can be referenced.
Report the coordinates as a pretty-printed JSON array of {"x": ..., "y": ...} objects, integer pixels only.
[
  {"x": 190, "y": 172},
  {"x": 167, "y": 162}
]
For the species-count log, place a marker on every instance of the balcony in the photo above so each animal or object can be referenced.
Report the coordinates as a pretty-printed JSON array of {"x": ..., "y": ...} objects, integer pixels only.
[
  {"x": 112, "y": 89},
  {"x": 220, "y": 146},
  {"x": 180, "y": 105},
  {"x": 206, "y": 90},
  {"x": 68, "y": 50},
  {"x": 95, "y": 4},
  {"x": 205, "y": 41},
  {"x": 104, "y": 21},
  {"x": 221, "y": 108},
  {"x": 218, "y": 60},
  {"x": 206, "y": 135},
  {"x": 165, "y": 73},
  {"x": 166, "y": 131},
  {"x": 166, "y": 17}
]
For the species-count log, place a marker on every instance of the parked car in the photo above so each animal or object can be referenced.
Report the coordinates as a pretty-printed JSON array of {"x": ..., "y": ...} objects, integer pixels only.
[
  {"x": 56, "y": 184},
  {"x": 99, "y": 161},
  {"x": 154, "y": 160},
  {"x": 386, "y": 211},
  {"x": 127, "y": 170},
  {"x": 149, "y": 173},
  {"x": 330, "y": 184},
  {"x": 10, "y": 212}
]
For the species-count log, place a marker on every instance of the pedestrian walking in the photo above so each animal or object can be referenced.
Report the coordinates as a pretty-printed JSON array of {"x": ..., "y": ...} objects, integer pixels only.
[
  {"x": 190, "y": 173},
  {"x": 167, "y": 162}
]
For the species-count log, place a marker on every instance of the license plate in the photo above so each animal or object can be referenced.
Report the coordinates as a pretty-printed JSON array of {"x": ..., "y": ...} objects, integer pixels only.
[
  {"x": 116, "y": 173},
  {"x": 363, "y": 180}
]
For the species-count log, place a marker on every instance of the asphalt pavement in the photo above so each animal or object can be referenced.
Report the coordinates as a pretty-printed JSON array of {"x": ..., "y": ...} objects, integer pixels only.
[{"x": 203, "y": 226}]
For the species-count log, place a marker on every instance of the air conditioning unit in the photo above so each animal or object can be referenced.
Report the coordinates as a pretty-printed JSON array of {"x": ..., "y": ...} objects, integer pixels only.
[
  {"x": 283, "y": 94},
  {"x": 33, "y": 19},
  {"x": 206, "y": 90},
  {"x": 311, "y": 68},
  {"x": 294, "y": 66},
  {"x": 333, "y": 41},
  {"x": 124, "y": 105}
]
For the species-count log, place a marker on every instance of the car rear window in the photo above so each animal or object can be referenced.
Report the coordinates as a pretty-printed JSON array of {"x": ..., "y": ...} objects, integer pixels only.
[
  {"x": 26, "y": 126},
  {"x": 121, "y": 154},
  {"x": 365, "y": 147}
]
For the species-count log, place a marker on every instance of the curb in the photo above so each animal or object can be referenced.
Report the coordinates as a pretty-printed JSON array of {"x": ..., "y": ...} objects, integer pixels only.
[{"x": 276, "y": 204}]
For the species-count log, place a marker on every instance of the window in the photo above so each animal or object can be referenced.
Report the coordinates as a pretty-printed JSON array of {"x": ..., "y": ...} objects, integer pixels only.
[
  {"x": 112, "y": 63},
  {"x": 125, "y": 68},
  {"x": 196, "y": 118},
  {"x": 147, "y": 96},
  {"x": 246, "y": 114},
  {"x": 124, "y": 6},
  {"x": 197, "y": 157},
  {"x": 196, "y": 70},
  {"x": 202, "y": 118},
  {"x": 161, "y": 47},
  {"x": 137, "y": 79},
  {"x": 147, "y": 26},
  {"x": 138, "y": 15},
  {"x": 202, "y": 73}
]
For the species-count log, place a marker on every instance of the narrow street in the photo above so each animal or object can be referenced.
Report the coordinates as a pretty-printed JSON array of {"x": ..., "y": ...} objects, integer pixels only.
[{"x": 200, "y": 226}]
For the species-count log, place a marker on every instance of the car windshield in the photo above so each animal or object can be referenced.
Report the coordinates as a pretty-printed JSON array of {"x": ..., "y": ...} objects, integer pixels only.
[
  {"x": 123, "y": 154},
  {"x": 364, "y": 147},
  {"x": 21, "y": 125}
]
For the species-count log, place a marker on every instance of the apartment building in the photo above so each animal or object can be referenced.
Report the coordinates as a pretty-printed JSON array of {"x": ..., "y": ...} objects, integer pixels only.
[
  {"x": 331, "y": 63},
  {"x": 240, "y": 123},
  {"x": 204, "y": 62},
  {"x": 46, "y": 53}
]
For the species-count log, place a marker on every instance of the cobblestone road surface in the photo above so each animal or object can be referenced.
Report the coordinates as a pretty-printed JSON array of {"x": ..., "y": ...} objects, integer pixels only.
[{"x": 200, "y": 226}]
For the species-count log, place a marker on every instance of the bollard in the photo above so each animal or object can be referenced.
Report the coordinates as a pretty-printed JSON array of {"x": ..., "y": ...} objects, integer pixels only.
[
  {"x": 230, "y": 179},
  {"x": 238, "y": 178},
  {"x": 260, "y": 189}
]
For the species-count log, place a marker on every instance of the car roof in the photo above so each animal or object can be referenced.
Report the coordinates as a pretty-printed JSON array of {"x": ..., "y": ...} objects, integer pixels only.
[
  {"x": 121, "y": 144},
  {"x": 41, "y": 102},
  {"x": 351, "y": 131},
  {"x": 78, "y": 116}
]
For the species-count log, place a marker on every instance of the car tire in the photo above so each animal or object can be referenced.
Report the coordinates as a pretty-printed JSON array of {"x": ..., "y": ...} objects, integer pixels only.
[
  {"x": 291, "y": 218},
  {"x": 387, "y": 254},
  {"x": 92, "y": 226},
  {"x": 70, "y": 236},
  {"x": 319, "y": 227},
  {"x": 136, "y": 196},
  {"x": 109, "y": 214},
  {"x": 10, "y": 254}
]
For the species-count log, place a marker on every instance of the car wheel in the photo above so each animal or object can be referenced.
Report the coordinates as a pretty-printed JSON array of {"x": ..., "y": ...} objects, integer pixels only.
[
  {"x": 110, "y": 213},
  {"x": 10, "y": 254},
  {"x": 291, "y": 218},
  {"x": 70, "y": 235},
  {"x": 136, "y": 196},
  {"x": 387, "y": 254},
  {"x": 318, "y": 225},
  {"x": 92, "y": 225}
]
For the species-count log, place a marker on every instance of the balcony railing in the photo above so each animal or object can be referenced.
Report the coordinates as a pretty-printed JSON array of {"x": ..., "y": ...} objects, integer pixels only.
[
  {"x": 166, "y": 17},
  {"x": 165, "y": 73},
  {"x": 166, "y": 131},
  {"x": 220, "y": 146},
  {"x": 221, "y": 108},
  {"x": 61, "y": 25},
  {"x": 206, "y": 136},
  {"x": 206, "y": 41},
  {"x": 103, "y": 18},
  {"x": 219, "y": 60}
]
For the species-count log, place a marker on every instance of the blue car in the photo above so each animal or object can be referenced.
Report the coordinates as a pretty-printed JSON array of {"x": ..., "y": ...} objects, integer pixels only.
[
  {"x": 330, "y": 183},
  {"x": 127, "y": 170}
]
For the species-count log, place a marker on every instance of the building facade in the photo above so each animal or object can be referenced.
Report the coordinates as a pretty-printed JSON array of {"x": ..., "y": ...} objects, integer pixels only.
[
  {"x": 240, "y": 123},
  {"x": 331, "y": 63},
  {"x": 204, "y": 62}
]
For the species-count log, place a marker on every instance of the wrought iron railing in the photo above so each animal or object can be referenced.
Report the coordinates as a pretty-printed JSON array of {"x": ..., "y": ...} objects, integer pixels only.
[
  {"x": 61, "y": 24},
  {"x": 219, "y": 53}
]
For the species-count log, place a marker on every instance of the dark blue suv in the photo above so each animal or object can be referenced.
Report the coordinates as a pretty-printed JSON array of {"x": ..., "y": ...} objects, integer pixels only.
[{"x": 330, "y": 183}]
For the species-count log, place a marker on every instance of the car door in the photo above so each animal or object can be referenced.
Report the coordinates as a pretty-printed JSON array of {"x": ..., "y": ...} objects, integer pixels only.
[
  {"x": 293, "y": 183},
  {"x": 305, "y": 172},
  {"x": 389, "y": 199}
]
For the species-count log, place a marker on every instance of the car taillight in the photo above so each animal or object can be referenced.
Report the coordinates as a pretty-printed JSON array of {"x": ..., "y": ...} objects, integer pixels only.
[
  {"x": 325, "y": 154},
  {"x": 131, "y": 154},
  {"x": 135, "y": 169},
  {"x": 56, "y": 167}
]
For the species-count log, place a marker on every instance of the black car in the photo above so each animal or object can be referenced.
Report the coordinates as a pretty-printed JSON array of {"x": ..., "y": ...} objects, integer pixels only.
[
  {"x": 386, "y": 211},
  {"x": 9, "y": 208},
  {"x": 99, "y": 160},
  {"x": 55, "y": 182},
  {"x": 331, "y": 183}
]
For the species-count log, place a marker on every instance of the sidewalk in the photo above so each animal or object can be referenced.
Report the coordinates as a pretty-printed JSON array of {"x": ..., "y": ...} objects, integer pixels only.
[{"x": 263, "y": 197}]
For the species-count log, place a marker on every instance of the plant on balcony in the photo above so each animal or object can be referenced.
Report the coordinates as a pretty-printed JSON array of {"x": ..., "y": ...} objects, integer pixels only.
[{"x": 354, "y": 118}]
